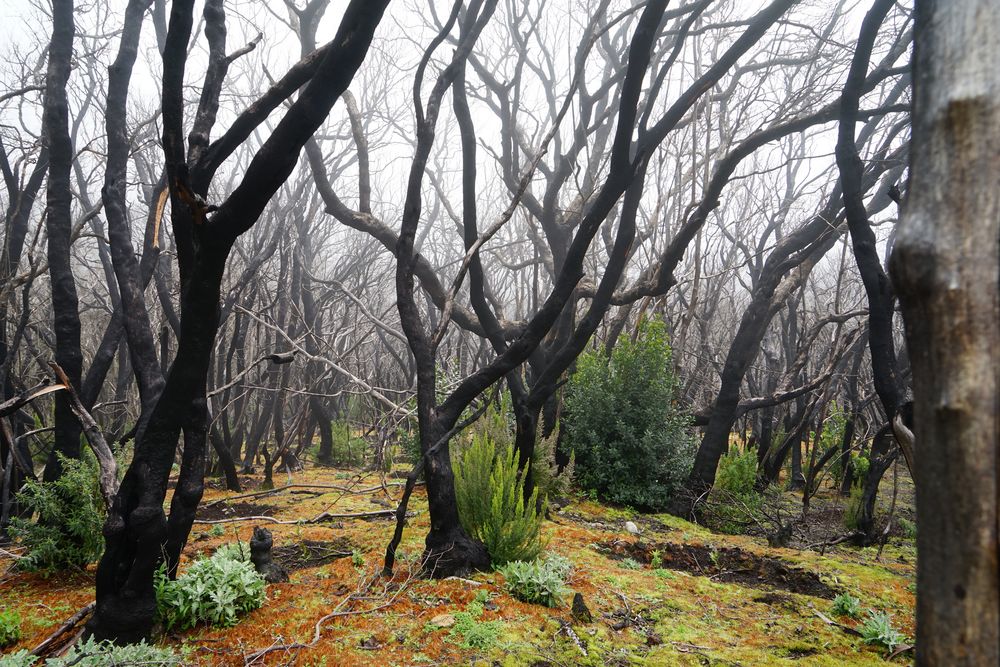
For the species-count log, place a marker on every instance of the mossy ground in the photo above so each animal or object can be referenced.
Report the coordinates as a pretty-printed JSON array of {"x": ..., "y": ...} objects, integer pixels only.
[{"x": 642, "y": 615}]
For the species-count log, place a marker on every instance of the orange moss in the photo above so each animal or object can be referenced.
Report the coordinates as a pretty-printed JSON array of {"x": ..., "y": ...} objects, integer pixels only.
[{"x": 731, "y": 622}]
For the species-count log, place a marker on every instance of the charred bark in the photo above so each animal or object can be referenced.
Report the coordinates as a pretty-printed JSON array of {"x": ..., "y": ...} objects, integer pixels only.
[
  {"x": 65, "y": 304},
  {"x": 136, "y": 529}
]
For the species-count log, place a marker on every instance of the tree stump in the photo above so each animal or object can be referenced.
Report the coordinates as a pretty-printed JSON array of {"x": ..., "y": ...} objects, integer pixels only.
[{"x": 263, "y": 560}]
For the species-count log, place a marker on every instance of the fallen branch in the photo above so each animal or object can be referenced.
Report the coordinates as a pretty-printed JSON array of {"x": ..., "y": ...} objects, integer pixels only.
[
  {"x": 319, "y": 518},
  {"x": 257, "y": 656},
  {"x": 829, "y": 543},
  {"x": 829, "y": 621},
  {"x": 12, "y": 405},
  {"x": 901, "y": 649},
  {"x": 567, "y": 629},
  {"x": 268, "y": 492},
  {"x": 68, "y": 626}
]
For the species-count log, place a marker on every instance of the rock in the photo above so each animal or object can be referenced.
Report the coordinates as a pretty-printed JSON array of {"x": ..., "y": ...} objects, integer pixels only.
[
  {"x": 443, "y": 621},
  {"x": 263, "y": 560},
  {"x": 632, "y": 528},
  {"x": 581, "y": 614}
]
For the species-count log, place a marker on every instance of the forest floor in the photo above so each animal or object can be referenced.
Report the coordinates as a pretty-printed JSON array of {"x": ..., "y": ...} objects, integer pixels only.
[{"x": 714, "y": 599}]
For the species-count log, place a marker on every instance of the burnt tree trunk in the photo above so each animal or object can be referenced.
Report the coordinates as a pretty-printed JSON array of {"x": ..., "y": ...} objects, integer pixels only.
[
  {"x": 137, "y": 530},
  {"x": 945, "y": 267},
  {"x": 881, "y": 300},
  {"x": 58, "y": 223}
]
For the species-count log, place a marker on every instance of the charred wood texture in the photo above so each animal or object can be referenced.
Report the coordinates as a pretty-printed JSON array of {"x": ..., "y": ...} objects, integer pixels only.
[
  {"x": 138, "y": 531},
  {"x": 58, "y": 221}
]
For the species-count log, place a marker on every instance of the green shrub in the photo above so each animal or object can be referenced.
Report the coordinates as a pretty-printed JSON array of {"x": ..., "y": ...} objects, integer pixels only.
[
  {"x": 734, "y": 503},
  {"x": 860, "y": 465},
  {"x": 631, "y": 440},
  {"x": 470, "y": 631},
  {"x": 347, "y": 451},
  {"x": 233, "y": 551},
  {"x": 216, "y": 590},
  {"x": 69, "y": 514},
  {"x": 877, "y": 629},
  {"x": 630, "y": 564},
  {"x": 846, "y": 604},
  {"x": 737, "y": 472},
  {"x": 545, "y": 471},
  {"x": 538, "y": 581},
  {"x": 10, "y": 627},
  {"x": 22, "y": 658},
  {"x": 491, "y": 505},
  {"x": 852, "y": 515},
  {"x": 908, "y": 527},
  {"x": 90, "y": 653},
  {"x": 832, "y": 436},
  {"x": 408, "y": 440}
]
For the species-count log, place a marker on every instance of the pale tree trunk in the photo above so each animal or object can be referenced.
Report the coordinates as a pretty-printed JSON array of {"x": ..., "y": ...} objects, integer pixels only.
[{"x": 945, "y": 269}]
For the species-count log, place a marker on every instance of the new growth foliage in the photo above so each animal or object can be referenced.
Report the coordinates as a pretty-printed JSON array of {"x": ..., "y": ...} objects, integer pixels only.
[
  {"x": 216, "y": 590},
  {"x": 491, "y": 503},
  {"x": 69, "y": 514}
]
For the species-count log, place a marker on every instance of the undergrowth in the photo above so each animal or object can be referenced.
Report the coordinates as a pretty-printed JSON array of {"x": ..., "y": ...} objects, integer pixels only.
[
  {"x": 90, "y": 653},
  {"x": 625, "y": 424},
  {"x": 470, "y": 631},
  {"x": 216, "y": 590},
  {"x": 541, "y": 581},
  {"x": 846, "y": 604},
  {"x": 10, "y": 627},
  {"x": 734, "y": 501},
  {"x": 69, "y": 515},
  {"x": 491, "y": 505},
  {"x": 878, "y": 630}
]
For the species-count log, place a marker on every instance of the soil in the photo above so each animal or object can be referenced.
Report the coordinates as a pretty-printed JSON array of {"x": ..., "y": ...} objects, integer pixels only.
[
  {"x": 726, "y": 564},
  {"x": 234, "y": 510}
]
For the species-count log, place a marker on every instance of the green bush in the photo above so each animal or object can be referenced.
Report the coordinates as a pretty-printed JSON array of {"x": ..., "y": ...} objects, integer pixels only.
[
  {"x": 734, "y": 503},
  {"x": 538, "y": 581},
  {"x": 860, "y": 465},
  {"x": 545, "y": 471},
  {"x": 69, "y": 514},
  {"x": 877, "y": 629},
  {"x": 347, "y": 451},
  {"x": 631, "y": 440},
  {"x": 908, "y": 527},
  {"x": 832, "y": 436},
  {"x": 233, "y": 551},
  {"x": 846, "y": 604},
  {"x": 409, "y": 443},
  {"x": 737, "y": 472},
  {"x": 216, "y": 590},
  {"x": 10, "y": 627},
  {"x": 90, "y": 653},
  {"x": 22, "y": 658},
  {"x": 470, "y": 631},
  {"x": 852, "y": 515},
  {"x": 491, "y": 505}
]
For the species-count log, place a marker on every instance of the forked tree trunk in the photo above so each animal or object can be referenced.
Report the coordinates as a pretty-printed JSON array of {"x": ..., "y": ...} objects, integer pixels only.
[
  {"x": 136, "y": 530},
  {"x": 945, "y": 269}
]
